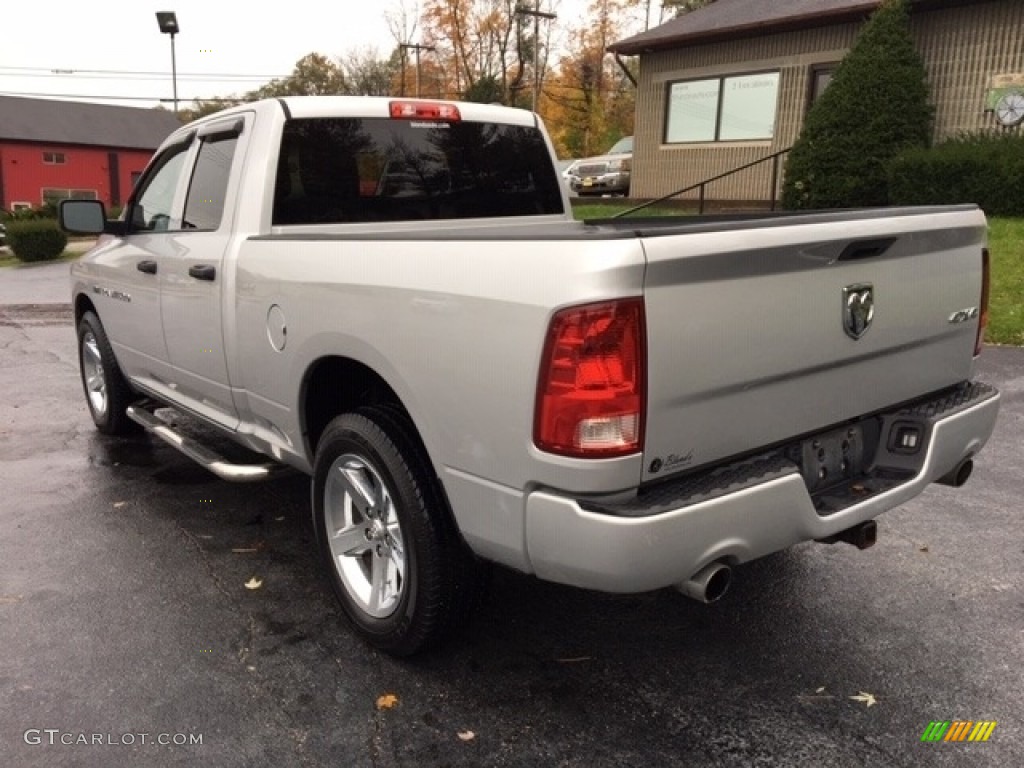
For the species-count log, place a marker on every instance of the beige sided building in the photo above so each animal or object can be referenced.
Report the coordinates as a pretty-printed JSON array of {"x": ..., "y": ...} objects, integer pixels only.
[{"x": 731, "y": 83}]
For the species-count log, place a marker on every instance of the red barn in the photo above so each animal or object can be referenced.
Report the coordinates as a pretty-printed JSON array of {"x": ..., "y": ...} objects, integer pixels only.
[{"x": 51, "y": 150}]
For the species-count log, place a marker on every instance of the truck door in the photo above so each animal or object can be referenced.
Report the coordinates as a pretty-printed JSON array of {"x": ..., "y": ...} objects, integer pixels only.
[
  {"x": 192, "y": 275},
  {"x": 125, "y": 284}
]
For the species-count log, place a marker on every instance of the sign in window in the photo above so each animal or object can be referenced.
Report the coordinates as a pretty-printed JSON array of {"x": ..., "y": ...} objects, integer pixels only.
[{"x": 735, "y": 108}]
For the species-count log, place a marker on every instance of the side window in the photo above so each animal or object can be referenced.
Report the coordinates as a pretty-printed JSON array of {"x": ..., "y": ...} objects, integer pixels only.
[
  {"x": 204, "y": 205},
  {"x": 151, "y": 211}
]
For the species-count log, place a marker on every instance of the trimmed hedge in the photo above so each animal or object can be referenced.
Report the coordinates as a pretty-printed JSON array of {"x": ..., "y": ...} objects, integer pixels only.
[
  {"x": 875, "y": 107},
  {"x": 35, "y": 239},
  {"x": 986, "y": 169}
]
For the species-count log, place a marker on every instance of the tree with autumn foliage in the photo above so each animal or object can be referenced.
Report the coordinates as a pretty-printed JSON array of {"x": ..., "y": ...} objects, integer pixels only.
[
  {"x": 478, "y": 46},
  {"x": 589, "y": 101}
]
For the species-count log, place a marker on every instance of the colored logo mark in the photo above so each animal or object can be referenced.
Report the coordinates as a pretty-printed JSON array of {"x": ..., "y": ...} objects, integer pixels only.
[{"x": 958, "y": 730}]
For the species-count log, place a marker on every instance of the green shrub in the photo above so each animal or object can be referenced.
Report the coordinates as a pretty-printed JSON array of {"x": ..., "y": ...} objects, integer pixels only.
[
  {"x": 35, "y": 239},
  {"x": 987, "y": 169},
  {"x": 44, "y": 211},
  {"x": 875, "y": 107}
]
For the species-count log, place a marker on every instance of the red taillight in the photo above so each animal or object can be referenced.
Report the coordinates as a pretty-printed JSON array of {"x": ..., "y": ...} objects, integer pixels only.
[
  {"x": 425, "y": 110},
  {"x": 590, "y": 395},
  {"x": 983, "y": 320}
]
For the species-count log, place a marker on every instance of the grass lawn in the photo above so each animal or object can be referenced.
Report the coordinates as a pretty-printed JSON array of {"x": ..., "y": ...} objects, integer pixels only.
[
  {"x": 1006, "y": 245},
  {"x": 611, "y": 206},
  {"x": 8, "y": 259},
  {"x": 1006, "y": 301}
]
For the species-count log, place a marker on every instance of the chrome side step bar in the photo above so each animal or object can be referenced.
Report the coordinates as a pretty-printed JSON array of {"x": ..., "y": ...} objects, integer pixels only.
[{"x": 225, "y": 470}]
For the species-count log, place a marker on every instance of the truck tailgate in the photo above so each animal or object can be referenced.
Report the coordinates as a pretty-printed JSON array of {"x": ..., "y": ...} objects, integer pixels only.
[{"x": 753, "y": 330}]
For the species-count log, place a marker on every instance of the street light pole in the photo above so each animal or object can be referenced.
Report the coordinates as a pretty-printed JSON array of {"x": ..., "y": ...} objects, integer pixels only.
[
  {"x": 168, "y": 23},
  {"x": 416, "y": 47},
  {"x": 537, "y": 14}
]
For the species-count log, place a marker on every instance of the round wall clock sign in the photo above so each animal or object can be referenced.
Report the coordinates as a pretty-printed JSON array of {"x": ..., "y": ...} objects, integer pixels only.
[{"x": 1010, "y": 108}]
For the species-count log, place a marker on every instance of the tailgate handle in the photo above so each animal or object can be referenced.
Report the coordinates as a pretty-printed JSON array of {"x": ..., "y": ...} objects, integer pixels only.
[
  {"x": 148, "y": 266},
  {"x": 866, "y": 249},
  {"x": 202, "y": 271}
]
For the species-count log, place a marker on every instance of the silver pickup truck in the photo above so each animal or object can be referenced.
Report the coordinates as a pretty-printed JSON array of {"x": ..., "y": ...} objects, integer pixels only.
[{"x": 393, "y": 297}]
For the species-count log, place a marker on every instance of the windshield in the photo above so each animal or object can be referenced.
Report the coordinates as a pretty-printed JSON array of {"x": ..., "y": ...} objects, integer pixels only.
[{"x": 623, "y": 146}]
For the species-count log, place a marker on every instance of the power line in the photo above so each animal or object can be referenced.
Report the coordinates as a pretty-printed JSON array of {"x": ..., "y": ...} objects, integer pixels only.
[
  {"x": 71, "y": 71},
  {"x": 128, "y": 77},
  {"x": 118, "y": 98}
]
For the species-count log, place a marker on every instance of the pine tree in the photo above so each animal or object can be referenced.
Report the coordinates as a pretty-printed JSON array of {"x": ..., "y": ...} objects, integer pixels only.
[{"x": 876, "y": 106}]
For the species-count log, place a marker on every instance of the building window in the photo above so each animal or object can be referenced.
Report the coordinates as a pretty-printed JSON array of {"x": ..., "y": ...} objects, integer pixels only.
[
  {"x": 21, "y": 206},
  {"x": 53, "y": 195},
  {"x": 54, "y": 158},
  {"x": 733, "y": 108},
  {"x": 821, "y": 76}
]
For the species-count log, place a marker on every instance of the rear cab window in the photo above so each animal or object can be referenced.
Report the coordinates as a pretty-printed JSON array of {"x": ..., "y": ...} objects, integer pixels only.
[{"x": 342, "y": 170}]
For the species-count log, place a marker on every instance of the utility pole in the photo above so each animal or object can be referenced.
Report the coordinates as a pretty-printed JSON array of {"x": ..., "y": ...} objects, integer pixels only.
[
  {"x": 537, "y": 14},
  {"x": 416, "y": 47}
]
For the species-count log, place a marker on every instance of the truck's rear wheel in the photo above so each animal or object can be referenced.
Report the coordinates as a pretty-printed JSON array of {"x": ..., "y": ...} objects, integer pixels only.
[
  {"x": 398, "y": 567},
  {"x": 106, "y": 391}
]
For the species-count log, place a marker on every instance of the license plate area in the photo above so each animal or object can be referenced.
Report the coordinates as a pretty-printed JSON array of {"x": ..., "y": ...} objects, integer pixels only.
[
  {"x": 837, "y": 457},
  {"x": 839, "y": 466}
]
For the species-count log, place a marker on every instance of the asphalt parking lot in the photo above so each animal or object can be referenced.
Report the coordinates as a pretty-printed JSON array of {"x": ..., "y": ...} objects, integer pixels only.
[{"x": 128, "y": 633}]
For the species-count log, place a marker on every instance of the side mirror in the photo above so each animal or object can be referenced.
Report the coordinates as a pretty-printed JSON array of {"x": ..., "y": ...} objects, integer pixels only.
[{"x": 82, "y": 217}]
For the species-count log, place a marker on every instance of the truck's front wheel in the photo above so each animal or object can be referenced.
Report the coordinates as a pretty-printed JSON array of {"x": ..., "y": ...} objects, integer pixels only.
[
  {"x": 106, "y": 390},
  {"x": 398, "y": 567}
]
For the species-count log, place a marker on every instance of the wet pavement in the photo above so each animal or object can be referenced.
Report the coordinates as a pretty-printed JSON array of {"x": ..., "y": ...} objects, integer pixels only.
[{"x": 125, "y": 622}]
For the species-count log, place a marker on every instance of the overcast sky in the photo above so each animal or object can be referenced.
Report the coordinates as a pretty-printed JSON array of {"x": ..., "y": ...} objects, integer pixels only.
[{"x": 40, "y": 36}]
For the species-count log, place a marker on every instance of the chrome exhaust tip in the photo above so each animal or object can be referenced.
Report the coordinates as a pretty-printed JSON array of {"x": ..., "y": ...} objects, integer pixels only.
[
  {"x": 959, "y": 474},
  {"x": 708, "y": 584}
]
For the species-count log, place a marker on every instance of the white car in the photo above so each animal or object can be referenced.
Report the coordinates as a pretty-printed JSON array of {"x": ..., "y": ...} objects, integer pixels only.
[{"x": 605, "y": 174}]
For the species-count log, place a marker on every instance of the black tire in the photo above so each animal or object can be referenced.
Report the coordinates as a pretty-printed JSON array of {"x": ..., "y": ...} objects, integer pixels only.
[
  {"x": 403, "y": 575},
  {"x": 106, "y": 391}
]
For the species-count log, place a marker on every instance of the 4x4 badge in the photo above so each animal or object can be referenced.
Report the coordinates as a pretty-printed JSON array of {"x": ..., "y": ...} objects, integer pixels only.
[{"x": 858, "y": 309}]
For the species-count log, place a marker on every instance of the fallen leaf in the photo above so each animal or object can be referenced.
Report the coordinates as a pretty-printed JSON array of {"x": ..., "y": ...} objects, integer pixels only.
[
  {"x": 279, "y": 519},
  {"x": 467, "y": 735},
  {"x": 820, "y": 690},
  {"x": 119, "y": 504},
  {"x": 254, "y": 583},
  {"x": 387, "y": 701},
  {"x": 923, "y": 548},
  {"x": 868, "y": 698},
  {"x": 10, "y": 599}
]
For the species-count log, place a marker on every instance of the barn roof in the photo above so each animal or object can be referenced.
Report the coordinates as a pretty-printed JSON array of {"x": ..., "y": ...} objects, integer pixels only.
[{"x": 50, "y": 121}]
